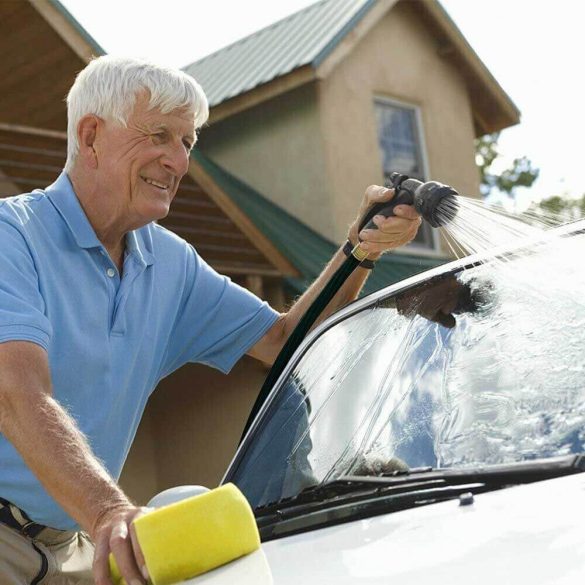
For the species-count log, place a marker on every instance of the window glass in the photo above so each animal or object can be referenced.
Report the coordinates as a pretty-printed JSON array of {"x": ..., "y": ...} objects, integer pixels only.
[
  {"x": 401, "y": 151},
  {"x": 483, "y": 366}
]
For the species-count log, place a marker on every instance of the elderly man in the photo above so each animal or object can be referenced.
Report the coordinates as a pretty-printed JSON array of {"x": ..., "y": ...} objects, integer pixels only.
[{"x": 98, "y": 303}]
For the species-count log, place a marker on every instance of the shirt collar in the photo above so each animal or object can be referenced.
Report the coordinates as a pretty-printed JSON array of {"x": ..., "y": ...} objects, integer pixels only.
[
  {"x": 63, "y": 197},
  {"x": 139, "y": 244}
]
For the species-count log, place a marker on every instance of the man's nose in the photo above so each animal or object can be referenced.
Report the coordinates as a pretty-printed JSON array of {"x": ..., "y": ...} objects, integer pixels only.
[{"x": 176, "y": 159}]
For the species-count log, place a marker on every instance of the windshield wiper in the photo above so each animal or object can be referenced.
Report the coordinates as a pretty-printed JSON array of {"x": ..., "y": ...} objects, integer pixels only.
[{"x": 353, "y": 497}]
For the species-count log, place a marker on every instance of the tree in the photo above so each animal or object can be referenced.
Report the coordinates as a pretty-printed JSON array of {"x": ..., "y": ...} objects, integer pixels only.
[
  {"x": 560, "y": 209},
  {"x": 520, "y": 174}
]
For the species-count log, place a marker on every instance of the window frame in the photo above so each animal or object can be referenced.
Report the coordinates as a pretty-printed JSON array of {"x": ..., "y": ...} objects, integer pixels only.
[{"x": 413, "y": 247}]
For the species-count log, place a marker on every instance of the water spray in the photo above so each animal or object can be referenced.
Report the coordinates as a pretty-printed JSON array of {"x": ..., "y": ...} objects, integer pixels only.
[{"x": 436, "y": 203}]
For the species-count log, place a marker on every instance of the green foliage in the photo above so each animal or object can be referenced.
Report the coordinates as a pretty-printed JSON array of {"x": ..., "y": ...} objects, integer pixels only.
[
  {"x": 553, "y": 210},
  {"x": 561, "y": 209},
  {"x": 520, "y": 174}
]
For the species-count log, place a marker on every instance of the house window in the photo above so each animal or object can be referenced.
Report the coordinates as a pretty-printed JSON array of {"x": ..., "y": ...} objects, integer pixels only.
[{"x": 401, "y": 150}]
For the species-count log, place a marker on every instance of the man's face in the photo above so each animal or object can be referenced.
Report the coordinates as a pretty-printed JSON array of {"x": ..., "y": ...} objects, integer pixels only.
[{"x": 140, "y": 166}]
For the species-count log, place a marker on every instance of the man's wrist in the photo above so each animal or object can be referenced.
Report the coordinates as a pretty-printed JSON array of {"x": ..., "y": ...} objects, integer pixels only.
[
  {"x": 108, "y": 509},
  {"x": 347, "y": 249}
]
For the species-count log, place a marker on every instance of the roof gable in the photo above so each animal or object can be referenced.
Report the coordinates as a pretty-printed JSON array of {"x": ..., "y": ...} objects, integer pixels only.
[
  {"x": 303, "y": 38},
  {"x": 308, "y": 44}
]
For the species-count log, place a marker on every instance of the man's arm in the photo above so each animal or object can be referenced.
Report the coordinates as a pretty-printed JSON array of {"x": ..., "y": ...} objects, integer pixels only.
[
  {"x": 392, "y": 232},
  {"x": 58, "y": 454}
]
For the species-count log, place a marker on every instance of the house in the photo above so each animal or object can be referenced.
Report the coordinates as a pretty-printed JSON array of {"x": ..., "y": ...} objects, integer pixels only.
[
  {"x": 333, "y": 98},
  {"x": 305, "y": 114}
]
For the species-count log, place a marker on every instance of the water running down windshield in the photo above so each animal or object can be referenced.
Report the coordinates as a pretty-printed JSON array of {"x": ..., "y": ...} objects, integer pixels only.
[{"x": 481, "y": 367}]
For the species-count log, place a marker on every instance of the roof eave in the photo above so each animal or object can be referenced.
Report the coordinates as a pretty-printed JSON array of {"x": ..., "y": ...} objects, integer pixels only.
[
  {"x": 320, "y": 66},
  {"x": 70, "y": 30},
  {"x": 493, "y": 109},
  {"x": 262, "y": 93}
]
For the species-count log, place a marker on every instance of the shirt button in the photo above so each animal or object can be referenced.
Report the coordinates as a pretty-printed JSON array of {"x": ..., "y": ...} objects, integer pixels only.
[{"x": 111, "y": 272}]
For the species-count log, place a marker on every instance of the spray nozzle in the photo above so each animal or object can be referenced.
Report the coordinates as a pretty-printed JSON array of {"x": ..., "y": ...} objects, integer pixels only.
[{"x": 437, "y": 203}]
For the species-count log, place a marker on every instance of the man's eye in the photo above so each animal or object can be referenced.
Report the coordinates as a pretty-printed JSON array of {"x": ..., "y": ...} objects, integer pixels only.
[{"x": 187, "y": 145}]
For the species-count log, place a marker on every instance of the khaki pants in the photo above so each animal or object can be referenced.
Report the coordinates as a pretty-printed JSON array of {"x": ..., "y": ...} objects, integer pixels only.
[{"x": 69, "y": 558}]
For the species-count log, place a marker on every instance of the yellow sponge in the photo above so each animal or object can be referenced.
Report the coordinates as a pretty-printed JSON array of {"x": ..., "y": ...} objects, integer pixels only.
[{"x": 195, "y": 535}]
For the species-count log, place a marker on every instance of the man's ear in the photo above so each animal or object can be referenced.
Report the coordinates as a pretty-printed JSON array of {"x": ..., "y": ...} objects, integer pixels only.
[{"x": 87, "y": 130}]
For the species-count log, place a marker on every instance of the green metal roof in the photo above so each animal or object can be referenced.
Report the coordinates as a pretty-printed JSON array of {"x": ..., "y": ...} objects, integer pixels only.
[
  {"x": 307, "y": 250},
  {"x": 306, "y": 37}
]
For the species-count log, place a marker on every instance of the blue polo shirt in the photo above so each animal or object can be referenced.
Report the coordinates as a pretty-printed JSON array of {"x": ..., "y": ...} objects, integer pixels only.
[{"x": 109, "y": 340}]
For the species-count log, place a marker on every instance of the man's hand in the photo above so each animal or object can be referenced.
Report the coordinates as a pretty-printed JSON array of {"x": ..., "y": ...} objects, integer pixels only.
[
  {"x": 114, "y": 532},
  {"x": 392, "y": 232}
]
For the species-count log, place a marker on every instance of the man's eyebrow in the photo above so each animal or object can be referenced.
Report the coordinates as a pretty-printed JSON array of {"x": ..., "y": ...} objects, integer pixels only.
[
  {"x": 152, "y": 127},
  {"x": 161, "y": 126}
]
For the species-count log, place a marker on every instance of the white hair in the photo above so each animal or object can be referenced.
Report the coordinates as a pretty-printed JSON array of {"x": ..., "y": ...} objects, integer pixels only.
[{"x": 108, "y": 87}]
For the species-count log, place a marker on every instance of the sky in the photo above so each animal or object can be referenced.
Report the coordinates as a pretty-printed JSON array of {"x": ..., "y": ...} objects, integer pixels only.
[{"x": 534, "y": 49}]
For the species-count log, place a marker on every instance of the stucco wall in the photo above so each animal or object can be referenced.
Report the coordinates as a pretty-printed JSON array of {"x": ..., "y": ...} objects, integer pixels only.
[
  {"x": 277, "y": 148},
  {"x": 397, "y": 60}
]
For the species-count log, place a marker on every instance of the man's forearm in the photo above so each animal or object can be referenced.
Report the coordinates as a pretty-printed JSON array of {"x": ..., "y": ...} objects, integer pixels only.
[
  {"x": 348, "y": 292},
  {"x": 56, "y": 451}
]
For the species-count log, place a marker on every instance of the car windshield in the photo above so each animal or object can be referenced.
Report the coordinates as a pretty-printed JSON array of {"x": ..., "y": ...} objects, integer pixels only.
[{"x": 476, "y": 366}]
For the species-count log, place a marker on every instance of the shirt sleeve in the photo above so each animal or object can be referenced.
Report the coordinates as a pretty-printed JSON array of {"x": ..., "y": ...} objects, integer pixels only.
[
  {"x": 22, "y": 308},
  {"x": 218, "y": 322}
]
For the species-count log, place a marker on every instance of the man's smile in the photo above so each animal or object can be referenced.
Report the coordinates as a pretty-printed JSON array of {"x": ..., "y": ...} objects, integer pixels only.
[{"x": 155, "y": 183}]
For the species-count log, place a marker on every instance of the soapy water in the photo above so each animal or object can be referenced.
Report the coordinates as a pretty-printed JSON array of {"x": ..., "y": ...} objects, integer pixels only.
[
  {"x": 483, "y": 366},
  {"x": 514, "y": 388}
]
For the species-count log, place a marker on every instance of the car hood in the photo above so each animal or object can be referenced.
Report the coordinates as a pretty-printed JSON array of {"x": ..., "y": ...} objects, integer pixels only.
[{"x": 531, "y": 534}]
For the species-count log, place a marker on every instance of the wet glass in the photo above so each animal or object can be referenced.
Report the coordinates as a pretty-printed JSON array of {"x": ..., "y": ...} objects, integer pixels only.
[{"x": 482, "y": 366}]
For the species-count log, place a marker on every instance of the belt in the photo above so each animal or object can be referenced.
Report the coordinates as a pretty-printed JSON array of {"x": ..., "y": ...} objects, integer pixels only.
[{"x": 14, "y": 517}]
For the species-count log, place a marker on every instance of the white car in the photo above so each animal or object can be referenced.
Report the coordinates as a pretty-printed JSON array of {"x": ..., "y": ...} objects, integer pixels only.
[{"x": 430, "y": 433}]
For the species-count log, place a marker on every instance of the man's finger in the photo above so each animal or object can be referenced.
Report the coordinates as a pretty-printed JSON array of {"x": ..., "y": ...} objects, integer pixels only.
[
  {"x": 406, "y": 211},
  {"x": 393, "y": 227},
  {"x": 377, "y": 193},
  {"x": 378, "y": 241},
  {"x": 388, "y": 234},
  {"x": 121, "y": 546},
  {"x": 101, "y": 567},
  {"x": 396, "y": 222}
]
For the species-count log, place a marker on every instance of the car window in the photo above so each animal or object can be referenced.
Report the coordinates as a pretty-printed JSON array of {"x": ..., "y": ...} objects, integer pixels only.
[{"x": 481, "y": 366}]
